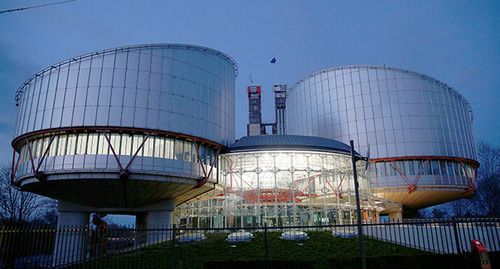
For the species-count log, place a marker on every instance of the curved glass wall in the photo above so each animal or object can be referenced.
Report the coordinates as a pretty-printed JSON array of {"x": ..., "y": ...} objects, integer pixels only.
[
  {"x": 429, "y": 172},
  {"x": 281, "y": 188},
  {"x": 88, "y": 149}
]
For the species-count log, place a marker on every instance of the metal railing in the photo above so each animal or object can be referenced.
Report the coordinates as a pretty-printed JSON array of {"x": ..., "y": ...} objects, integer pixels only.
[{"x": 130, "y": 247}]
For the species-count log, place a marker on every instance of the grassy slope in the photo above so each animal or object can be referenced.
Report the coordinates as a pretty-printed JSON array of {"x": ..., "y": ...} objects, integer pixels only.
[{"x": 320, "y": 247}]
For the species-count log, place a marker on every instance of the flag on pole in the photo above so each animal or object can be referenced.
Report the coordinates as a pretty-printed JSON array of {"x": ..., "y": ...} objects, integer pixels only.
[{"x": 273, "y": 61}]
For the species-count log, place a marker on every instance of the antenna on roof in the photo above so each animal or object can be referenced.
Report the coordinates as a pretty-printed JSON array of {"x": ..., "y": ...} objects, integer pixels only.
[{"x": 37, "y": 6}]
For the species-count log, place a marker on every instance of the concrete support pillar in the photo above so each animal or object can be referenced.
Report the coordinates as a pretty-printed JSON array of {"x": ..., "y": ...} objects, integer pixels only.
[
  {"x": 140, "y": 226},
  {"x": 158, "y": 220},
  {"x": 71, "y": 238},
  {"x": 72, "y": 244}
]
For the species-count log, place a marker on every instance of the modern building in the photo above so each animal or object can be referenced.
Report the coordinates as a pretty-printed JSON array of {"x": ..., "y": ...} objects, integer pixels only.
[
  {"x": 144, "y": 130},
  {"x": 416, "y": 130},
  {"x": 284, "y": 180},
  {"x": 141, "y": 129},
  {"x": 132, "y": 130}
]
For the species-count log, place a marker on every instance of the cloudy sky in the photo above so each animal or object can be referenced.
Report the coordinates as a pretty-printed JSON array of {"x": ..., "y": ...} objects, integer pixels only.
[{"x": 457, "y": 42}]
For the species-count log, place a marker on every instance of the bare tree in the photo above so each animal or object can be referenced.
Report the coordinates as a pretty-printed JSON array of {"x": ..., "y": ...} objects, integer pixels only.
[
  {"x": 460, "y": 208},
  {"x": 18, "y": 207},
  {"x": 486, "y": 200},
  {"x": 489, "y": 158}
]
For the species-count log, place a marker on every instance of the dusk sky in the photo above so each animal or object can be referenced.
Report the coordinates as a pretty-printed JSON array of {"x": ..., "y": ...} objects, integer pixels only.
[{"x": 456, "y": 42}]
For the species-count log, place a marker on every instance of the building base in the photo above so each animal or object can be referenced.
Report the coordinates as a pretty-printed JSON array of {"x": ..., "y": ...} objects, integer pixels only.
[{"x": 76, "y": 240}]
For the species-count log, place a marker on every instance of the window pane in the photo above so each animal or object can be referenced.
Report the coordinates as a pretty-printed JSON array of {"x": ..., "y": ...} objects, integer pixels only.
[
  {"x": 381, "y": 169},
  {"x": 390, "y": 169},
  {"x": 203, "y": 153},
  {"x": 103, "y": 146},
  {"x": 115, "y": 142},
  {"x": 70, "y": 149},
  {"x": 37, "y": 148},
  {"x": 81, "y": 144},
  {"x": 410, "y": 168},
  {"x": 401, "y": 166},
  {"x": 61, "y": 147},
  {"x": 34, "y": 148},
  {"x": 450, "y": 168},
  {"x": 24, "y": 154},
  {"x": 169, "y": 148},
  {"x": 53, "y": 147},
  {"x": 443, "y": 167},
  {"x": 159, "y": 147},
  {"x": 136, "y": 143},
  {"x": 126, "y": 147},
  {"x": 149, "y": 147},
  {"x": 178, "y": 149},
  {"x": 435, "y": 167},
  {"x": 427, "y": 167},
  {"x": 187, "y": 151},
  {"x": 92, "y": 144},
  {"x": 456, "y": 168}
]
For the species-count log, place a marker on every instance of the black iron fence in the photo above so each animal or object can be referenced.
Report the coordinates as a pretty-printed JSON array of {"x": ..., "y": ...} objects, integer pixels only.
[{"x": 130, "y": 247}]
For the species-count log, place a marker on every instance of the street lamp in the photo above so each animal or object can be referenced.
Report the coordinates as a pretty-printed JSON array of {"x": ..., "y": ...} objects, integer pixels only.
[{"x": 354, "y": 159}]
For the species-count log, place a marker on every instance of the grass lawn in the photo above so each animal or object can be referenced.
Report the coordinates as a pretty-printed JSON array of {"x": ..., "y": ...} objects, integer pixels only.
[{"x": 318, "y": 249}]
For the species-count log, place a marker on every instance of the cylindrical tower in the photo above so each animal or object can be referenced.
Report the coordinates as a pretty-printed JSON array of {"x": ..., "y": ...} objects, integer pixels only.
[
  {"x": 418, "y": 131},
  {"x": 125, "y": 127}
]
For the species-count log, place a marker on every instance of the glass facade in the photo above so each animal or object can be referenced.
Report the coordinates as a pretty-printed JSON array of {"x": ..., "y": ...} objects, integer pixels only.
[
  {"x": 281, "y": 188},
  {"x": 391, "y": 113},
  {"x": 430, "y": 172},
  {"x": 82, "y": 150}
]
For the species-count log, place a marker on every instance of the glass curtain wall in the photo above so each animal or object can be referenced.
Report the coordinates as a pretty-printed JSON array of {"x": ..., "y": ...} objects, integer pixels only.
[
  {"x": 123, "y": 145},
  {"x": 281, "y": 188}
]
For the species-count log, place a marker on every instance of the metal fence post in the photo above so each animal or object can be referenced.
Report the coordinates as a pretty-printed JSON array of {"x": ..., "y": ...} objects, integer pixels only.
[
  {"x": 457, "y": 238},
  {"x": 266, "y": 247},
  {"x": 173, "y": 245}
]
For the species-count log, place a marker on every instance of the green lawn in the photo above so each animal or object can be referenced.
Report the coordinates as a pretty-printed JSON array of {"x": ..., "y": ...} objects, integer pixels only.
[{"x": 318, "y": 249}]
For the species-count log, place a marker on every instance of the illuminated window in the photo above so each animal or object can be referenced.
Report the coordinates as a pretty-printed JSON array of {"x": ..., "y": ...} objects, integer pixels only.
[
  {"x": 115, "y": 142},
  {"x": 148, "y": 148},
  {"x": 53, "y": 147},
  {"x": 61, "y": 147},
  {"x": 81, "y": 144},
  {"x": 103, "y": 145},
  {"x": 136, "y": 143},
  {"x": 159, "y": 147},
  {"x": 126, "y": 146},
  {"x": 169, "y": 148},
  {"x": 70, "y": 148}
]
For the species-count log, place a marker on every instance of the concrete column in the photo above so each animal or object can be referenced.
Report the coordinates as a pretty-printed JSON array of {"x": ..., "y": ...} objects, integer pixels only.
[
  {"x": 71, "y": 237},
  {"x": 140, "y": 226},
  {"x": 158, "y": 220}
]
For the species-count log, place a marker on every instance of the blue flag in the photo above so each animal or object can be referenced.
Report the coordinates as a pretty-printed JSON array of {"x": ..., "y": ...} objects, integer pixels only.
[{"x": 273, "y": 60}]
